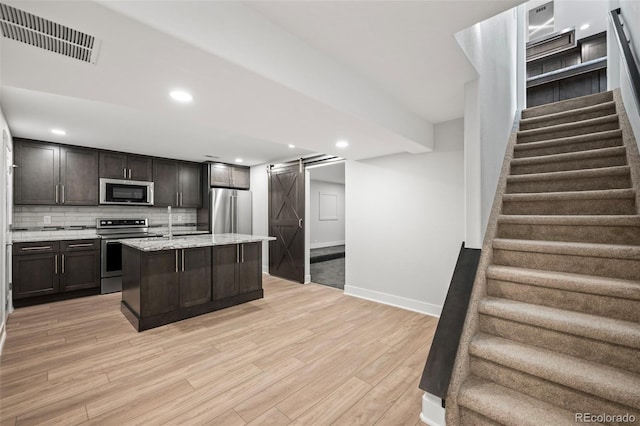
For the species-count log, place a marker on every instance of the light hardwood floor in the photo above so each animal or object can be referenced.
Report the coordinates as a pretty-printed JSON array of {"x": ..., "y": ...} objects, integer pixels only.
[{"x": 304, "y": 355}]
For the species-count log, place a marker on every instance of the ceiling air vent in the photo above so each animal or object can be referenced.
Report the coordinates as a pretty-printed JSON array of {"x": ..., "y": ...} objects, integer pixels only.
[{"x": 27, "y": 28}]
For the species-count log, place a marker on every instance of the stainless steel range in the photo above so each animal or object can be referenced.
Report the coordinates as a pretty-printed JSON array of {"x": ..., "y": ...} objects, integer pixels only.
[{"x": 111, "y": 231}]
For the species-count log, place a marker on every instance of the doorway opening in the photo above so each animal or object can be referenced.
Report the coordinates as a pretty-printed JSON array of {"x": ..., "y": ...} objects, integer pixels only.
[{"x": 326, "y": 224}]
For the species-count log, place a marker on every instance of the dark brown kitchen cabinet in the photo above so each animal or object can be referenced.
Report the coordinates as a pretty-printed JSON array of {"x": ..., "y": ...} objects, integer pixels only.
[
  {"x": 79, "y": 265},
  {"x": 37, "y": 172},
  {"x": 78, "y": 176},
  {"x": 35, "y": 268},
  {"x": 50, "y": 267},
  {"x": 237, "y": 270},
  {"x": 117, "y": 165},
  {"x": 176, "y": 184},
  {"x": 230, "y": 176},
  {"x": 49, "y": 174},
  {"x": 160, "y": 286},
  {"x": 195, "y": 276},
  {"x": 168, "y": 279}
]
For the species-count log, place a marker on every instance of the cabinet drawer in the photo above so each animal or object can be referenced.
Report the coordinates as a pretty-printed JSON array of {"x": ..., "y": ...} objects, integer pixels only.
[
  {"x": 35, "y": 247},
  {"x": 80, "y": 245}
]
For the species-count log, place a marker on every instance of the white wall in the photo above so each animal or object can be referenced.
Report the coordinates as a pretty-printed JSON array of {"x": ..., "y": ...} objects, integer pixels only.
[
  {"x": 6, "y": 184},
  {"x": 260, "y": 192},
  {"x": 405, "y": 223},
  {"x": 617, "y": 75},
  {"x": 575, "y": 13},
  {"x": 490, "y": 105},
  {"x": 325, "y": 233}
]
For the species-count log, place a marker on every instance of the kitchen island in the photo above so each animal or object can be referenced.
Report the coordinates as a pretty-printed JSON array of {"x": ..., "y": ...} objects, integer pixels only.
[{"x": 171, "y": 279}]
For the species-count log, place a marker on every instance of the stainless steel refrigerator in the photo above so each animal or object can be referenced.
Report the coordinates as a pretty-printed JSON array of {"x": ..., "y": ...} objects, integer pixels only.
[{"x": 231, "y": 211}]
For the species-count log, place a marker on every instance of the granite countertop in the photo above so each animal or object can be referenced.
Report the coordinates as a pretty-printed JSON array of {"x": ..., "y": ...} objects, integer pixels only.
[
  {"x": 191, "y": 241},
  {"x": 185, "y": 233}
]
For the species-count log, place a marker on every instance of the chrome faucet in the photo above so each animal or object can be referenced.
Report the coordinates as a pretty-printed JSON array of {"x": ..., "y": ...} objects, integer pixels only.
[{"x": 170, "y": 230}]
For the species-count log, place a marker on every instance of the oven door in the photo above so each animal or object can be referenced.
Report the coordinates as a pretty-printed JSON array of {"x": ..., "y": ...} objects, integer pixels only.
[
  {"x": 111, "y": 262},
  {"x": 126, "y": 192}
]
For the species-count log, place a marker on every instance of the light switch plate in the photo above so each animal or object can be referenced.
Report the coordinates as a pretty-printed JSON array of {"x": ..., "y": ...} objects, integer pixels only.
[{"x": 47, "y": 220}]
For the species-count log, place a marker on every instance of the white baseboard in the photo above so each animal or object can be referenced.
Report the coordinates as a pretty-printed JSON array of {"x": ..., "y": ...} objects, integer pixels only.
[
  {"x": 328, "y": 244},
  {"x": 3, "y": 337},
  {"x": 432, "y": 411},
  {"x": 265, "y": 269},
  {"x": 397, "y": 301},
  {"x": 307, "y": 278}
]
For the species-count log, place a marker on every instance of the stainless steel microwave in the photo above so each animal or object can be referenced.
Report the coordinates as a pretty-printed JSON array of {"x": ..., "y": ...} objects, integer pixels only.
[{"x": 126, "y": 192}]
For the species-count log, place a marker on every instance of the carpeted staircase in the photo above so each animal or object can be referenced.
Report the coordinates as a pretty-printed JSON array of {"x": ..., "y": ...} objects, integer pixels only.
[{"x": 553, "y": 327}]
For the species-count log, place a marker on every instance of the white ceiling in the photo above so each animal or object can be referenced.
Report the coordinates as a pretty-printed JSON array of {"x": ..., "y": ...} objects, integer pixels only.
[{"x": 263, "y": 75}]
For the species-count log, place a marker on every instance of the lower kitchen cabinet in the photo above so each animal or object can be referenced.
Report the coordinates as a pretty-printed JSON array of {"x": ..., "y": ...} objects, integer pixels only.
[
  {"x": 164, "y": 286},
  {"x": 237, "y": 270},
  {"x": 53, "y": 268}
]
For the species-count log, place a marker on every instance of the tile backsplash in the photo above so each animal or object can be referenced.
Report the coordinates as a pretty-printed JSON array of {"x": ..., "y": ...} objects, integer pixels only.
[{"x": 33, "y": 217}]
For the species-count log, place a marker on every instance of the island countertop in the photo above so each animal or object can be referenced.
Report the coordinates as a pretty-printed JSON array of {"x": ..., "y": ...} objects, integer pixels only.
[{"x": 191, "y": 241}]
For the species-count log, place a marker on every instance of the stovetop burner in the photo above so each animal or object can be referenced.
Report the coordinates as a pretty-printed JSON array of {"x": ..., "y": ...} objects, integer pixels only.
[{"x": 123, "y": 228}]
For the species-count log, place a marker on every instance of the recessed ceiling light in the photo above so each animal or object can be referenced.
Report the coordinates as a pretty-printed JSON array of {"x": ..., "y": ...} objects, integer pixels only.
[
  {"x": 239, "y": 160},
  {"x": 59, "y": 132},
  {"x": 291, "y": 146},
  {"x": 181, "y": 96},
  {"x": 342, "y": 144},
  {"x": 584, "y": 27}
]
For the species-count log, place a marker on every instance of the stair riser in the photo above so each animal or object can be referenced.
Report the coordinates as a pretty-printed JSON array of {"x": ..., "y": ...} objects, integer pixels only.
[
  {"x": 567, "y": 105},
  {"x": 573, "y": 131},
  {"x": 587, "y": 265},
  {"x": 626, "y": 235},
  {"x": 571, "y": 400},
  {"x": 571, "y": 207},
  {"x": 471, "y": 418},
  {"x": 571, "y": 184},
  {"x": 601, "y": 112},
  {"x": 563, "y": 149},
  {"x": 562, "y": 166},
  {"x": 594, "y": 304},
  {"x": 580, "y": 347}
]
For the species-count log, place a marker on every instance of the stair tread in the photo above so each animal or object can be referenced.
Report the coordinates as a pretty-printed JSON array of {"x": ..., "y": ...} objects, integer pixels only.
[
  {"x": 571, "y": 174},
  {"x": 566, "y": 104},
  {"x": 569, "y": 140},
  {"x": 568, "y": 113},
  {"x": 571, "y": 156},
  {"x": 592, "y": 284},
  {"x": 617, "y": 251},
  {"x": 510, "y": 407},
  {"x": 615, "y": 331},
  {"x": 590, "y": 377},
  {"x": 571, "y": 220},
  {"x": 568, "y": 126},
  {"x": 597, "y": 194}
]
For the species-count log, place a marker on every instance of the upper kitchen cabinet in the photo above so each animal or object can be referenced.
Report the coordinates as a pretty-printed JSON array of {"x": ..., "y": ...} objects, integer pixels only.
[
  {"x": 229, "y": 176},
  {"x": 176, "y": 184},
  {"x": 49, "y": 174},
  {"x": 115, "y": 165}
]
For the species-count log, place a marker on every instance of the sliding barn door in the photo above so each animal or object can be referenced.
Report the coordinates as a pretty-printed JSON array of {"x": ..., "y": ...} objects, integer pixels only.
[{"x": 286, "y": 214}]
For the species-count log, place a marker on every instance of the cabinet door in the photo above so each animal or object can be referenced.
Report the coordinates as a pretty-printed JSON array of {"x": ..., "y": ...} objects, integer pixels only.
[
  {"x": 195, "y": 276},
  {"x": 224, "y": 271},
  {"x": 79, "y": 176},
  {"x": 240, "y": 177},
  {"x": 190, "y": 191},
  {"x": 250, "y": 267},
  {"x": 139, "y": 168},
  {"x": 35, "y": 275},
  {"x": 79, "y": 270},
  {"x": 165, "y": 183},
  {"x": 159, "y": 290},
  {"x": 38, "y": 173},
  {"x": 113, "y": 165},
  {"x": 220, "y": 175}
]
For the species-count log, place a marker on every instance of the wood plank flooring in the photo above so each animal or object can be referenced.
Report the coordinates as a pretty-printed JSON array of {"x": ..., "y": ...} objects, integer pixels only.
[{"x": 303, "y": 355}]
